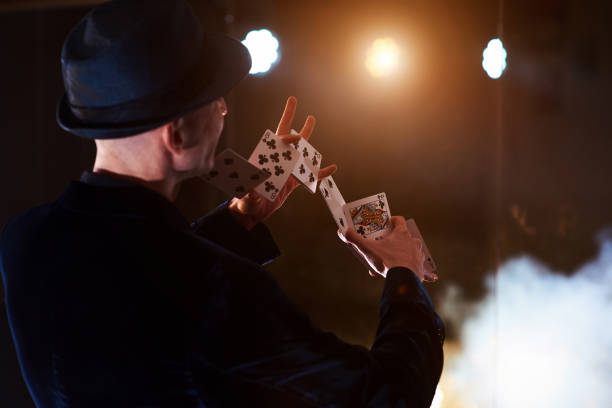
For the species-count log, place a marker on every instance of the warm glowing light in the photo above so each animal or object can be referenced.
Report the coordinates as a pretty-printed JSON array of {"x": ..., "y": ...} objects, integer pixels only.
[
  {"x": 438, "y": 398},
  {"x": 494, "y": 58},
  {"x": 383, "y": 57},
  {"x": 263, "y": 47}
]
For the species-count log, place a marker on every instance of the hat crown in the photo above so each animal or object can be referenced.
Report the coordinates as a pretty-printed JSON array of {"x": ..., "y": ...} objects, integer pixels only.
[{"x": 126, "y": 50}]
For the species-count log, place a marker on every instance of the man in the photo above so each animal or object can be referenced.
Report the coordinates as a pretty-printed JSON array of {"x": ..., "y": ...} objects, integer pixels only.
[{"x": 115, "y": 300}]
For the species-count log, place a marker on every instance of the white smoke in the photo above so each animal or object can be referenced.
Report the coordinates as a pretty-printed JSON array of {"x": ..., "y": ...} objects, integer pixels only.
[{"x": 540, "y": 339}]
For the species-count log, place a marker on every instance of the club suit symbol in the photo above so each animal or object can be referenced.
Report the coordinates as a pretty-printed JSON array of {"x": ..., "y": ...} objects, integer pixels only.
[{"x": 271, "y": 144}]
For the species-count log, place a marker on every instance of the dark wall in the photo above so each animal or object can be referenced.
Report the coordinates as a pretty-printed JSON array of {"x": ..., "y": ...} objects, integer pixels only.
[{"x": 37, "y": 158}]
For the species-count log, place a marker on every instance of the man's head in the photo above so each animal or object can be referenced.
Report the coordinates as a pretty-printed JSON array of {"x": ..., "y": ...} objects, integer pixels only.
[
  {"x": 177, "y": 150},
  {"x": 146, "y": 81},
  {"x": 134, "y": 66}
]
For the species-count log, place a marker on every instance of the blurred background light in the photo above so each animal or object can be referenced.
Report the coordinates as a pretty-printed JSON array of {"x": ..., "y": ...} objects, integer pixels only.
[
  {"x": 383, "y": 57},
  {"x": 263, "y": 47},
  {"x": 494, "y": 58},
  {"x": 438, "y": 398}
]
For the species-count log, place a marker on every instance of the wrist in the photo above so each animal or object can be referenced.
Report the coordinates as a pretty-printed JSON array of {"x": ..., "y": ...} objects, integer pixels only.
[
  {"x": 410, "y": 266},
  {"x": 237, "y": 211}
]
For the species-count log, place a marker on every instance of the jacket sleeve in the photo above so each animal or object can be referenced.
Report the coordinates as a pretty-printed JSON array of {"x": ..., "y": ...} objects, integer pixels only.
[
  {"x": 221, "y": 228},
  {"x": 280, "y": 359}
]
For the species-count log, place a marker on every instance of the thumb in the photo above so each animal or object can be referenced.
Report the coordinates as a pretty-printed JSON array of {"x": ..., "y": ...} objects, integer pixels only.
[
  {"x": 399, "y": 223},
  {"x": 353, "y": 237}
]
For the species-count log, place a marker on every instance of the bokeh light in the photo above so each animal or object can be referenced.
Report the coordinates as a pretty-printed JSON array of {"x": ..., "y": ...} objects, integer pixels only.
[
  {"x": 383, "y": 57},
  {"x": 494, "y": 58},
  {"x": 438, "y": 398},
  {"x": 263, "y": 47}
]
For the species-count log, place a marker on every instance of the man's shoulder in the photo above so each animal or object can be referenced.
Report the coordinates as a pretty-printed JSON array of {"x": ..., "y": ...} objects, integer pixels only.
[{"x": 27, "y": 223}]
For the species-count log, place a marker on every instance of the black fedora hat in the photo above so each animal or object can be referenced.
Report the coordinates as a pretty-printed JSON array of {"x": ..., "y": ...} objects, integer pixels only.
[{"x": 133, "y": 65}]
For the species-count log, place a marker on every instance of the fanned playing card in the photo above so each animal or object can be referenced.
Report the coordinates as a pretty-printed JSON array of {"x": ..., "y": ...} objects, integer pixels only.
[
  {"x": 335, "y": 202},
  {"x": 369, "y": 216},
  {"x": 307, "y": 167},
  {"x": 234, "y": 175},
  {"x": 430, "y": 265},
  {"x": 277, "y": 159}
]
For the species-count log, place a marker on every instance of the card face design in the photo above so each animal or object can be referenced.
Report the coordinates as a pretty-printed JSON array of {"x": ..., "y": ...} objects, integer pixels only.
[
  {"x": 430, "y": 265},
  {"x": 308, "y": 165},
  {"x": 234, "y": 175},
  {"x": 275, "y": 158},
  {"x": 370, "y": 216},
  {"x": 335, "y": 202}
]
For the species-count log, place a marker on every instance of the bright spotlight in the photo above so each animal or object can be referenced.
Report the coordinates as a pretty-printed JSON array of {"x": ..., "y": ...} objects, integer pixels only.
[
  {"x": 494, "y": 58},
  {"x": 438, "y": 398},
  {"x": 383, "y": 57},
  {"x": 263, "y": 47}
]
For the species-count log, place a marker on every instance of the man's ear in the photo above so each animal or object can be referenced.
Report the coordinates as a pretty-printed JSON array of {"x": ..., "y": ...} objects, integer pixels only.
[{"x": 173, "y": 136}]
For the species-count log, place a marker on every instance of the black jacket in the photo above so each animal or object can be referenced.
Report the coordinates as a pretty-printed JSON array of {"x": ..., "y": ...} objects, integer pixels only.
[{"x": 115, "y": 300}]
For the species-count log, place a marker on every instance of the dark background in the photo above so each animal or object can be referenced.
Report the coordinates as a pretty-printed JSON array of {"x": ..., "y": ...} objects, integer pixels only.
[{"x": 488, "y": 168}]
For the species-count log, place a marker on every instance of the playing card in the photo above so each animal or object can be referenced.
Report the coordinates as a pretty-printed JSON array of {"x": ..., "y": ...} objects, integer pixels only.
[
  {"x": 330, "y": 191},
  {"x": 369, "y": 216},
  {"x": 277, "y": 159},
  {"x": 430, "y": 265},
  {"x": 234, "y": 175},
  {"x": 335, "y": 202},
  {"x": 307, "y": 167}
]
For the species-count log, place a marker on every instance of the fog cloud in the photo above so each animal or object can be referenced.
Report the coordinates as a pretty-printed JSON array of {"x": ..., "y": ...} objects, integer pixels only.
[{"x": 540, "y": 339}]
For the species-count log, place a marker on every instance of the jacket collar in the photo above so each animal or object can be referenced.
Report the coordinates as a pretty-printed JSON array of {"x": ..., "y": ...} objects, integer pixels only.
[{"x": 98, "y": 194}]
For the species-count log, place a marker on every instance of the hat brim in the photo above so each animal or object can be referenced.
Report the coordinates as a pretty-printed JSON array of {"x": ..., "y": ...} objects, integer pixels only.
[{"x": 234, "y": 63}]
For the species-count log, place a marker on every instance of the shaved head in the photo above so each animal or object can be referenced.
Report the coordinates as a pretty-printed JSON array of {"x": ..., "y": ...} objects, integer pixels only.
[{"x": 175, "y": 151}]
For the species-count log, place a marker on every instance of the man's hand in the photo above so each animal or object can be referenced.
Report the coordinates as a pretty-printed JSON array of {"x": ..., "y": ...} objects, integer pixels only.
[
  {"x": 398, "y": 248},
  {"x": 253, "y": 208}
]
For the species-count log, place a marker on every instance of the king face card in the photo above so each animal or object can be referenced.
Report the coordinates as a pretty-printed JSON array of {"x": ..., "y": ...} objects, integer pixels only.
[
  {"x": 308, "y": 165},
  {"x": 277, "y": 159},
  {"x": 234, "y": 175},
  {"x": 335, "y": 202},
  {"x": 370, "y": 216}
]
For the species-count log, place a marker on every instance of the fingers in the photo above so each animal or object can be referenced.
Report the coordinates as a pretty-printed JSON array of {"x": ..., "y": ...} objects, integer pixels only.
[
  {"x": 246, "y": 204},
  {"x": 351, "y": 237},
  {"x": 305, "y": 133},
  {"x": 290, "y": 139},
  {"x": 419, "y": 245},
  {"x": 327, "y": 171},
  {"x": 291, "y": 184},
  {"x": 354, "y": 238},
  {"x": 284, "y": 126},
  {"x": 308, "y": 127},
  {"x": 399, "y": 223}
]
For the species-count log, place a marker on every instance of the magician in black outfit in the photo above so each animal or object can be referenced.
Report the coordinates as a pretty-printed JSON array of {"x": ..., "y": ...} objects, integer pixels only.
[{"x": 115, "y": 300}]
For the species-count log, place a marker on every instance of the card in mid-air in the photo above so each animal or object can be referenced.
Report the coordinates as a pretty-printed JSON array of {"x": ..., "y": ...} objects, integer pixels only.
[
  {"x": 307, "y": 167},
  {"x": 277, "y": 159},
  {"x": 234, "y": 175}
]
